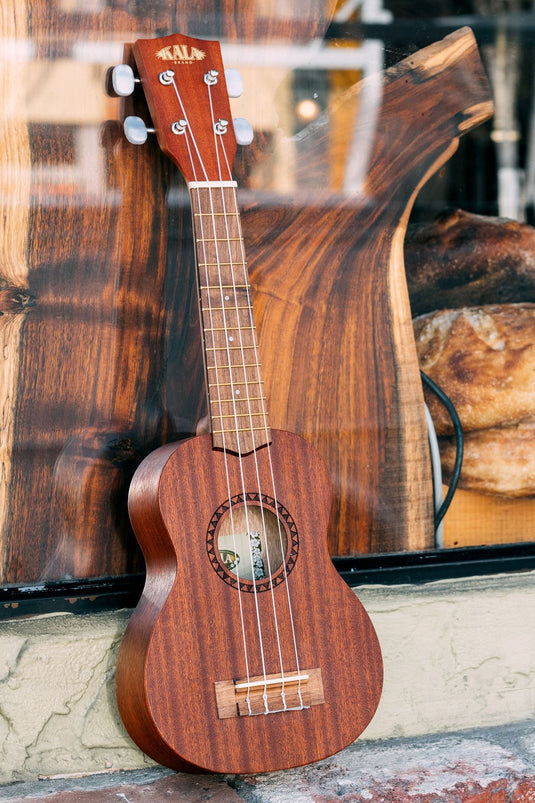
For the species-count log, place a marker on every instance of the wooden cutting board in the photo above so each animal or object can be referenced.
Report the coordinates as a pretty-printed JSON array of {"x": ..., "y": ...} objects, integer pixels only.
[{"x": 331, "y": 299}]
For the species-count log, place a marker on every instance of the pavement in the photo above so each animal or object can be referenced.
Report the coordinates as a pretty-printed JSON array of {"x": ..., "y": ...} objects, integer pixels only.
[{"x": 491, "y": 765}]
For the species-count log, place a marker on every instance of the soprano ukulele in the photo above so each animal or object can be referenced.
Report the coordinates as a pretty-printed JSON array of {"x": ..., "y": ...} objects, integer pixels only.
[{"x": 247, "y": 652}]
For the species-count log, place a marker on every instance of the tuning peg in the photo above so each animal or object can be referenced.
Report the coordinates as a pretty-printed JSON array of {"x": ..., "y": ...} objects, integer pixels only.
[
  {"x": 135, "y": 130},
  {"x": 243, "y": 131},
  {"x": 121, "y": 81},
  {"x": 234, "y": 83}
]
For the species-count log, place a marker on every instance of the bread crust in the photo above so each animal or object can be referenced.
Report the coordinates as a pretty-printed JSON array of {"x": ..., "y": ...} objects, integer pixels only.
[
  {"x": 479, "y": 347},
  {"x": 484, "y": 360},
  {"x": 499, "y": 460},
  {"x": 465, "y": 260}
]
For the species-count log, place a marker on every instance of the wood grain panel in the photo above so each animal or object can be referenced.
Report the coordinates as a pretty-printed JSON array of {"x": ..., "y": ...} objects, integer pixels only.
[
  {"x": 15, "y": 163},
  {"x": 100, "y": 258},
  {"x": 332, "y": 305}
]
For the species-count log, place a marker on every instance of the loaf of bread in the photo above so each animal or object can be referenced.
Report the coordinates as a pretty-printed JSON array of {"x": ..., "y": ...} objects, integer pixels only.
[
  {"x": 499, "y": 460},
  {"x": 484, "y": 360},
  {"x": 465, "y": 260},
  {"x": 471, "y": 283}
]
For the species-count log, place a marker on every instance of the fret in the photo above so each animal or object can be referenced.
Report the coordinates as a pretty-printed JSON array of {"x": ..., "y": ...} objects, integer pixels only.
[
  {"x": 224, "y": 287},
  {"x": 239, "y": 415},
  {"x": 235, "y": 399},
  {"x": 211, "y": 256},
  {"x": 232, "y": 308},
  {"x": 218, "y": 239},
  {"x": 241, "y": 365},
  {"x": 213, "y": 214},
  {"x": 239, "y": 429},
  {"x": 218, "y": 265},
  {"x": 229, "y": 328},
  {"x": 231, "y": 348}
]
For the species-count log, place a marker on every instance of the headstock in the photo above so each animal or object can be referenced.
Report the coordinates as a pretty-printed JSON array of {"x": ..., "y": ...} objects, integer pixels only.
[{"x": 185, "y": 88}]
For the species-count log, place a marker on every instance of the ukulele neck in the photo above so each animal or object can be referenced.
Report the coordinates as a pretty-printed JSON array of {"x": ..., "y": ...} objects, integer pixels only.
[{"x": 234, "y": 383}]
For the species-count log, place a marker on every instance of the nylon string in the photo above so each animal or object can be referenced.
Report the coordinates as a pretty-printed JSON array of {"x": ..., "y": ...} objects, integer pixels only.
[
  {"x": 189, "y": 135},
  {"x": 264, "y": 417},
  {"x": 268, "y": 451},
  {"x": 234, "y": 405},
  {"x": 218, "y": 143}
]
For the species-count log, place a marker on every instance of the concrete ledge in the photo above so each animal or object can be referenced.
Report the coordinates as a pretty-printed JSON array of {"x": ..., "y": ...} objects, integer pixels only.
[
  {"x": 457, "y": 655},
  {"x": 480, "y": 766}
]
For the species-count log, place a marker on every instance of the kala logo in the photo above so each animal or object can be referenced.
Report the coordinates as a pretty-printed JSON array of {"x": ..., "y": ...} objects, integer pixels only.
[{"x": 180, "y": 53}]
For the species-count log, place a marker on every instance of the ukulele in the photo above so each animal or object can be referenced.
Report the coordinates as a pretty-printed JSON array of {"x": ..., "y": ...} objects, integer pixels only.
[{"x": 247, "y": 652}]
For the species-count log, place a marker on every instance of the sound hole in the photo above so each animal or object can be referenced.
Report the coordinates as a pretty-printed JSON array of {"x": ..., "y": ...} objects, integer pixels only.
[
  {"x": 251, "y": 542},
  {"x": 255, "y": 546}
]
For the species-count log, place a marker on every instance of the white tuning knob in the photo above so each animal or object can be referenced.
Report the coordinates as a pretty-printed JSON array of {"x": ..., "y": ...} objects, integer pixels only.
[
  {"x": 234, "y": 83},
  {"x": 135, "y": 130},
  {"x": 122, "y": 80},
  {"x": 243, "y": 131}
]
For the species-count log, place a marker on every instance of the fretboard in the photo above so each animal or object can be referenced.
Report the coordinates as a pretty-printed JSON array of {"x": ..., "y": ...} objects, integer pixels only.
[{"x": 236, "y": 402}]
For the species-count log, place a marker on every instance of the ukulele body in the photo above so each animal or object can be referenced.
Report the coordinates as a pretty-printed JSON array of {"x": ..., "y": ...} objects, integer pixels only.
[{"x": 194, "y": 633}]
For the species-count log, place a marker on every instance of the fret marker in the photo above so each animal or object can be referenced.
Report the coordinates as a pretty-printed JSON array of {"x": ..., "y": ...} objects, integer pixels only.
[
  {"x": 231, "y": 338},
  {"x": 237, "y": 392},
  {"x": 227, "y": 298}
]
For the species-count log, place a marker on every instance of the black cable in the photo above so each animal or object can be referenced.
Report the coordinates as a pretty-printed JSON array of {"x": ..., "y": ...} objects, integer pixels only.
[{"x": 459, "y": 440}]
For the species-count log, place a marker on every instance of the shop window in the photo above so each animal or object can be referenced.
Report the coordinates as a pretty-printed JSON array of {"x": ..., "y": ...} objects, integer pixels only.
[{"x": 102, "y": 359}]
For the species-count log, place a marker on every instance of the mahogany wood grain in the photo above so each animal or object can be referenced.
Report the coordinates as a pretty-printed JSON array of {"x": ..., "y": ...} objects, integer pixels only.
[{"x": 185, "y": 635}]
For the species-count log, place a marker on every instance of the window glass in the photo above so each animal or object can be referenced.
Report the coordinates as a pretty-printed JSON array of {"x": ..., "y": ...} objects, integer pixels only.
[{"x": 370, "y": 118}]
